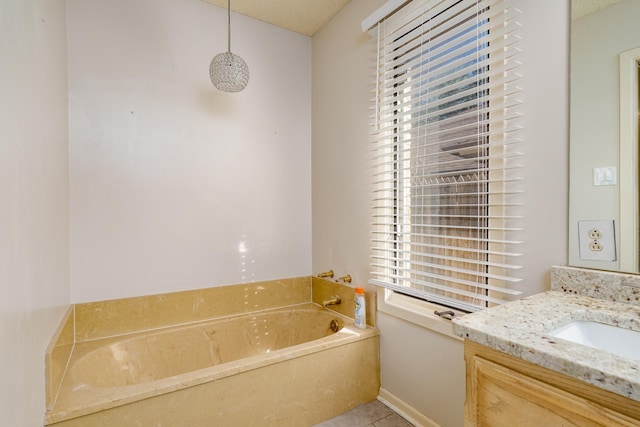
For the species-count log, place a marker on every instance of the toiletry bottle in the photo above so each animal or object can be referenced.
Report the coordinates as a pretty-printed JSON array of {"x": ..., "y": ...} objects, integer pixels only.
[{"x": 361, "y": 311}]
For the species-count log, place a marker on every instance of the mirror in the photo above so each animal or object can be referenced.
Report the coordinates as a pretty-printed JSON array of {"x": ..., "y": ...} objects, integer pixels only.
[{"x": 603, "y": 172}]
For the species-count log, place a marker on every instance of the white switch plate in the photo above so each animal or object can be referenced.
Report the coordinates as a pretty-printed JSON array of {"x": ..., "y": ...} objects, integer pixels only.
[
  {"x": 605, "y": 176},
  {"x": 597, "y": 240}
]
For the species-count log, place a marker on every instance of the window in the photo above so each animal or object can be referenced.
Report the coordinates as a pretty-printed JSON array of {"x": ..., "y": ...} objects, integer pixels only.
[{"x": 448, "y": 184}]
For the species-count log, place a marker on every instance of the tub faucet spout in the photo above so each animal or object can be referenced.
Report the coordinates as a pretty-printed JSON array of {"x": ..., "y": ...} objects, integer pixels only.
[{"x": 334, "y": 300}]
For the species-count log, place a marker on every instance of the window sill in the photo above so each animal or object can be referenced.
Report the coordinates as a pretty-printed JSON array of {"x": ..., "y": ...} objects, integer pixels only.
[{"x": 416, "y": 311}]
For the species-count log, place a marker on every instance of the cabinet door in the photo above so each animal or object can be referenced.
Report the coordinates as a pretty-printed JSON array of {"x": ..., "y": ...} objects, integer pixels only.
[{"x": 498, "y": 396}]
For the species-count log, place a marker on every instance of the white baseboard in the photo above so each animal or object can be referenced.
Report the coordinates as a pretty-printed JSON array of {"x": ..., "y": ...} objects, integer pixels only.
[{"x": 415, "y": 417}]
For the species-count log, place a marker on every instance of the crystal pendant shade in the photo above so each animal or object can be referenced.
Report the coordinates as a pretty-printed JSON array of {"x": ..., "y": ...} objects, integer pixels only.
[{"x": 229, "y": 72}]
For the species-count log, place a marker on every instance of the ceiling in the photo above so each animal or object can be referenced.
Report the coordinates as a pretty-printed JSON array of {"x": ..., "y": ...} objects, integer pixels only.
[
  {"x": 302, "y": 16},
  {"x": 580, "y": 8},
  {"x": 308, "y": 16}
]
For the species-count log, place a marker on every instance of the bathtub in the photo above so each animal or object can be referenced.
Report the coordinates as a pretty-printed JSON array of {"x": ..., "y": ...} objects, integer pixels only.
[{"x": 291, "y": 366}]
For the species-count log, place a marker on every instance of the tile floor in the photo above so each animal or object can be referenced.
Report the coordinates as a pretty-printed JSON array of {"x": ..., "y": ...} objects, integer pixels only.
[{"x": 372, "y": 414}]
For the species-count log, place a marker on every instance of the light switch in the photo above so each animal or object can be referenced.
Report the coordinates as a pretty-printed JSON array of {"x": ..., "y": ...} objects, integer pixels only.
[{"x": 604, "y": 176}]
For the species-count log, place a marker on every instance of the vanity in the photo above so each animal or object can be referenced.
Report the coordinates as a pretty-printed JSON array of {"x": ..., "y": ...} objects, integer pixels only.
[
  {"x": 520, "y": 368},
  {"x": 520, "y": 372}
]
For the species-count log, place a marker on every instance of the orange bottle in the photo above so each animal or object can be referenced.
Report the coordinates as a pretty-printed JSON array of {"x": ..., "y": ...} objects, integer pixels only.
[{"x": 361, "y": 310}]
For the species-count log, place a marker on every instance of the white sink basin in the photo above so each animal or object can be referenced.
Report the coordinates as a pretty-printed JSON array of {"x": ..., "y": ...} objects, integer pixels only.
[{"x": 615, "y": 340}]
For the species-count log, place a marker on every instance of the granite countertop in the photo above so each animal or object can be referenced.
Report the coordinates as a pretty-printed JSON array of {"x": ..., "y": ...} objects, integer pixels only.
[{"x": 521, "y": 328}]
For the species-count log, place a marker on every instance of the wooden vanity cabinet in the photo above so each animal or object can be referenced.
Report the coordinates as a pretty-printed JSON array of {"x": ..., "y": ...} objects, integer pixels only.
[{"x": 503, "y": 390}]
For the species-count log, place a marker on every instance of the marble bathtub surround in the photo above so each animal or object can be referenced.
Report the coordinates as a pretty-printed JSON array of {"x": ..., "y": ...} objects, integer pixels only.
[
  {"x": 210, "y": 358},
  {"x": 323, "y": 288},
  {"x": 96, "y": 320},
  {"x": 113, "y": 323},
  {"x": 245, "y": 394},
  {"x": 57, "y": 357},
  {"x": 521, "y": 328},
  {"x": 122, "y": 316}
]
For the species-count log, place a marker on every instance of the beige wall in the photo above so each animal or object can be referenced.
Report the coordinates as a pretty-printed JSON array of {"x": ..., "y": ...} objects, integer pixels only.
[
  {"x": 343, "y": 63},
  {"x": 342, "y": 66},
  {"x": 175, "y": 185},
  {"x": 34, "y": 249}
]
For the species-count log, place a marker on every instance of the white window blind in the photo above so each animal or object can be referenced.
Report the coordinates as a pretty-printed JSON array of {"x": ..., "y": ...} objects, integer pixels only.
[{"x": 448, "y": 177}]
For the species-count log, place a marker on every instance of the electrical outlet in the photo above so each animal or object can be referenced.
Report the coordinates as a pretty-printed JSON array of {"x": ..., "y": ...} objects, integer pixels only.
[
  {"x": 596, "y": 246},
  {"x": 597, "y": 240},
  {"x": 595, "y": 234}
]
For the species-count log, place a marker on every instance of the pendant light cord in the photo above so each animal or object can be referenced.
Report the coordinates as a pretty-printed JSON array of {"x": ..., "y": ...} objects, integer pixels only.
[{"x": 228, "y": 25}]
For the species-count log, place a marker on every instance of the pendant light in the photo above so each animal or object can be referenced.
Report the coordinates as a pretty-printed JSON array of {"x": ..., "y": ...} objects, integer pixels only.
[{"x": 229, "y": 72}]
